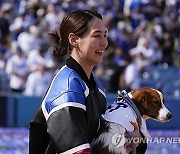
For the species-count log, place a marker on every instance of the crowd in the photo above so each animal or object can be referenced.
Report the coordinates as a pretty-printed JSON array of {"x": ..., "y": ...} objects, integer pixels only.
[{"x": 141, "y": 33}]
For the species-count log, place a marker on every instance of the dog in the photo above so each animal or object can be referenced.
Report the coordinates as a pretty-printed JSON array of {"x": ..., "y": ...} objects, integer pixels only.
[{"x": 148, "y": 102}]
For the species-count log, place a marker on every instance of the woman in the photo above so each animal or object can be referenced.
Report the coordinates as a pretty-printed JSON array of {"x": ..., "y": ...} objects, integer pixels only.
[{"x": 69, "y": 116}]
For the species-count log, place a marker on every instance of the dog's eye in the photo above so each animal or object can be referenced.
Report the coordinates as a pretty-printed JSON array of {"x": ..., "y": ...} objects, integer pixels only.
[{"x": 155, "y": 102}]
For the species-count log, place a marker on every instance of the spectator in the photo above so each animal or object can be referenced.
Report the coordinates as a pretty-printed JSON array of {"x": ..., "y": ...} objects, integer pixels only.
[
  {"x": 4, "y": 82},
  {"x": 17, "y": 71},
  {"x": 118, "y": 57},
  {"x": 29, "y": 39},
  {"x": 142, "y": 53},
  {"x": 40, "y": 58},
  {"x": 52, "y": 18},
  {"x": 168, "y": 48},
  {"x": 4, "y": 28},
  {"x": 106, "y": 70},
  {"x": 37, "y": 83},
  {"x": 42, "y": 66},
  {"x": 131, "y": 75}
]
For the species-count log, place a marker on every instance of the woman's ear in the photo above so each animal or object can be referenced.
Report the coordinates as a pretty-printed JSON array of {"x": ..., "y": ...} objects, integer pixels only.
[{"x": 73, "y": 39}]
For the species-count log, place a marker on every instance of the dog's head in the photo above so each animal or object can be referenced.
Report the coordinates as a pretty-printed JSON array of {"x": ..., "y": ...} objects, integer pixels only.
[{"x": 150, "y": 103}]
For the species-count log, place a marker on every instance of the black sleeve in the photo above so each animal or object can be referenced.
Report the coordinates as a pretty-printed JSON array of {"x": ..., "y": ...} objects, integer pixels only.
[
  {"x": 67, "y": 129},
  {"x": 142, "y": 147},
  {"x": 38, "y": 137}
]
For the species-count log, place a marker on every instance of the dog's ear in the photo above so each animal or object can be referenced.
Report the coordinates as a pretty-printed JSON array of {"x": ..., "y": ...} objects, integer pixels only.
[
  {"x": 140, "y": 97},
  {"x": 145, "y": 99}
]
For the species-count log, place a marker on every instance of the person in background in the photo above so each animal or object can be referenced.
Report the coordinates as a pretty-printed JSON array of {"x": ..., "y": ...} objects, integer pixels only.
[
  {"x": 69, "y": 116},
  {"x": 4, "y": 86},
  {"x": 41, "y": 65},
  {"x": 17, "y": 71},
  {"x": 4, "y": 27},
  {"x": 131, "y": 74}
]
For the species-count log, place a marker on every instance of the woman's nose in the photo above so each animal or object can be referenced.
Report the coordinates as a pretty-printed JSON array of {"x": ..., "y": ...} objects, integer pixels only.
[{"x": 104, "y": 42}]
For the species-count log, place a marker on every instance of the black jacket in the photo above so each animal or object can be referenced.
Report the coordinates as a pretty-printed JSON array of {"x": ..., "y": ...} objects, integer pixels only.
[{"x": 69, "y": 116}]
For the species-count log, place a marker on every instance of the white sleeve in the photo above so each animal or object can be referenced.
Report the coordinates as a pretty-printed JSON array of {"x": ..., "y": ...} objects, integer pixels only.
[
  {"x": 9, "y": 66},
  {"x": 30, "y": 86}
]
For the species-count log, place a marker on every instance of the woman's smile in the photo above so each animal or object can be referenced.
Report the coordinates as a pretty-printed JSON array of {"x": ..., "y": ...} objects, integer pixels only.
[{"x": 99, "y": 53}]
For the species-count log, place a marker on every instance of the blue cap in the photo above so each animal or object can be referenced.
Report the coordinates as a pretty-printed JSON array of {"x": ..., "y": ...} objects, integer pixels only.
[
  {"x": 2, "y": 50},
  {"x": 18, "y": 48}
]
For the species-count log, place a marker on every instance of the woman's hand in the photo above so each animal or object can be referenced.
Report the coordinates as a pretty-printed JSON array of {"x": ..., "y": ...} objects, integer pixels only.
[{"x": 136, "y": 136}]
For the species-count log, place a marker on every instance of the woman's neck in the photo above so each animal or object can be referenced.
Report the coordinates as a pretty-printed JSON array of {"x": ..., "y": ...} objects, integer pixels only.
[{"x": 87, "y": 69}]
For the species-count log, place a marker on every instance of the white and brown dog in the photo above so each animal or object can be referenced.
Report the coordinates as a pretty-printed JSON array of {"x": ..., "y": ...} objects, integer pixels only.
[{"x": 149, "y": 103}]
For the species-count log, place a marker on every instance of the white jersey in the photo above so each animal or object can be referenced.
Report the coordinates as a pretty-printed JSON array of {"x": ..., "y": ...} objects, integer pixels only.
[{"x": 120, "y": 112}]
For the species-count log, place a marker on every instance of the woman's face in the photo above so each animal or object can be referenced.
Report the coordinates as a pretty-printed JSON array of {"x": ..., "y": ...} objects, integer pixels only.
[{"x": 92, "y": 44}]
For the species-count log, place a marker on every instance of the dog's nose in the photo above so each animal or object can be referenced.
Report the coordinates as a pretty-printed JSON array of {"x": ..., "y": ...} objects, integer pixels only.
[{"x": 169, "y": 115}]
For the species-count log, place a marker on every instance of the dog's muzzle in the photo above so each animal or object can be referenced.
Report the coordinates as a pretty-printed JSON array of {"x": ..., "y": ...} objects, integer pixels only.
[{"x": 164, "y": 114}]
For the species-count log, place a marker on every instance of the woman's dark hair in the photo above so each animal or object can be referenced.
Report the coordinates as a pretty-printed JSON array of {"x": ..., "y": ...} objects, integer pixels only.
[{"x": 74, "y": 22}]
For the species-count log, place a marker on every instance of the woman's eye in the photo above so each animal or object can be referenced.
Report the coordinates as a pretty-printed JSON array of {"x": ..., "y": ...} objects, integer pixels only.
[{"x": 97, "y": 36}]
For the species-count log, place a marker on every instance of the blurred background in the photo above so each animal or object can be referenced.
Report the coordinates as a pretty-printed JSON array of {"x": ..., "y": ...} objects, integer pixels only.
[{"x": 143, "y": 50}]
